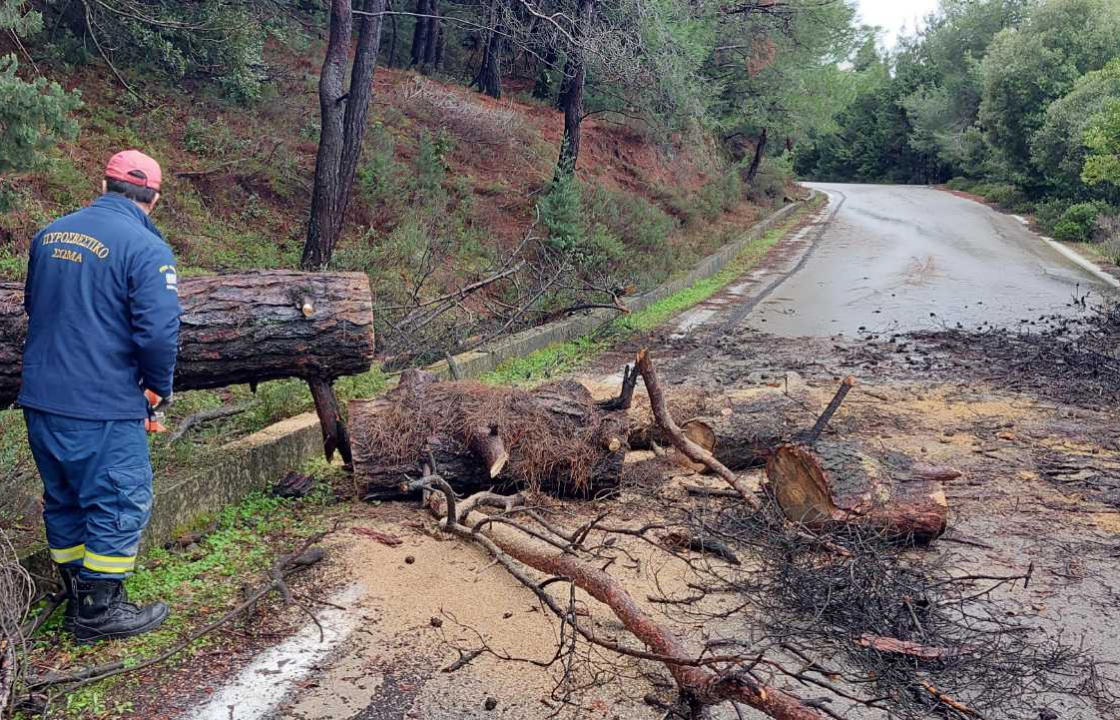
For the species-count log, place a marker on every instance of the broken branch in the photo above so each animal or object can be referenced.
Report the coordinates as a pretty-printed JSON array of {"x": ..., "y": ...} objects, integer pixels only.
[{"x": 687, "y": 447}]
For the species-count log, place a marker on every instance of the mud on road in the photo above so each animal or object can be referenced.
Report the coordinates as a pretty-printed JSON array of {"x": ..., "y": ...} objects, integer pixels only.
[{"x": 1030, "y": 420}]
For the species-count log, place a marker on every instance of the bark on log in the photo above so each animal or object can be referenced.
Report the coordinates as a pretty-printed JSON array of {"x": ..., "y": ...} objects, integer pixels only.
[
  {"x": 685, "y": 445},
  {"x": 243, "y": 328},
  {"x": 552, "y": 437},
  {"x": 739, "y": 441},
  {"x": 834, "y": 484},
  {"x": 745, "y": 433}
]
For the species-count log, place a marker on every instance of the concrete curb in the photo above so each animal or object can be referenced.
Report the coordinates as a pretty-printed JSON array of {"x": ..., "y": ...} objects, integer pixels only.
[
  {"x": 231, "y": 472},
  {"x": 1091, "y": 267}
]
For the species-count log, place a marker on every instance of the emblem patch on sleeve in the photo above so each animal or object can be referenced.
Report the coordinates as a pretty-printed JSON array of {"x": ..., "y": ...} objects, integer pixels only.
[{"x": 170, "y": 277}]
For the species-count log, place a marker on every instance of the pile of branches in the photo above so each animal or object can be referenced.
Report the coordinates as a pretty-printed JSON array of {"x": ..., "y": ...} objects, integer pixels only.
[
  {"x": 1071, "y": 359},
  {"x": 905, "y": 632},
  {"x": 16, "y": 595},
  {"x": 531, "y": 284},
  {"x": 552, "y": 438}
]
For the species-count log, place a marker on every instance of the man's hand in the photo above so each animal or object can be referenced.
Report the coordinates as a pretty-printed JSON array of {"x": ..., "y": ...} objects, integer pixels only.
[{"x": 156, "y": 402}]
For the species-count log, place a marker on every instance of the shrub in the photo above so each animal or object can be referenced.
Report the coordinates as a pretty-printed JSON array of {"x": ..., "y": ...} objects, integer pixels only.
[
  {"x": 642, "y": 226},
  {"x": 34, "y": 116},
  {"x": 719, "y": 195},
  {"x": 431, "y": 163},
  {"x": 1107, "y": 233},
  {"x": 1078, "y": 222},
  {"x": 1008, "y": 197},
  {"x": 581, "y": 230},
  {"x": 769, "y": 185},
  {"x": 961, "y": 184},
  {"x": 1047, "y": 213},
  {"x": 379, "y": 175},
  {"x": 561, "y": 210}
]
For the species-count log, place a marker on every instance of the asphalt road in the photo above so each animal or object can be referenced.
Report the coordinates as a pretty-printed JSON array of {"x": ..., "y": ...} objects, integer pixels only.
[{"x": 898, "y": 258}]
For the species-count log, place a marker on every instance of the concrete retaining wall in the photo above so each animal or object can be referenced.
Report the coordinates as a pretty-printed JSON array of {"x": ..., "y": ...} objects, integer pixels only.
[{"x": 254, "y": 462}]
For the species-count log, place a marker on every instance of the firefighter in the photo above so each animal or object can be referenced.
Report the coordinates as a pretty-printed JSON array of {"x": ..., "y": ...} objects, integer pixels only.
[{"x": 103, "y": 308}]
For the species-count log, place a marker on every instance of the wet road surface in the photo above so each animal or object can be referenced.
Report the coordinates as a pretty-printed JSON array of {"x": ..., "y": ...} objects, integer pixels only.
[{"x": 900, "y": 258}]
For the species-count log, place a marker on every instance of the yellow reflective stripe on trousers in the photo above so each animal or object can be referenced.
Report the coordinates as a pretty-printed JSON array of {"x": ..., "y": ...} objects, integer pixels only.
[
  {"x": 108, "y": 564},
  {"x": 66, "y": 555}
]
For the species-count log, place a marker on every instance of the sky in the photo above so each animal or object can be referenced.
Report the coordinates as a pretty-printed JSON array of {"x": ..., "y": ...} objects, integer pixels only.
[{"x": 892, "y": 15}]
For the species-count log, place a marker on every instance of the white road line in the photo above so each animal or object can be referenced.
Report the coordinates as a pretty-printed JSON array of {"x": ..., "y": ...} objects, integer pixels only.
[{"x": 265, "y": 682}]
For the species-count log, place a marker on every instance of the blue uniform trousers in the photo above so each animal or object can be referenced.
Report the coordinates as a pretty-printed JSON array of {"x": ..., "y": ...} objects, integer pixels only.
[{"x": 97, "y": 490}]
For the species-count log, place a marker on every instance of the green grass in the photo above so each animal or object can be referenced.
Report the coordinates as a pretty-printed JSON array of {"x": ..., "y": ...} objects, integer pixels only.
[
  {"x": 562, "y": 357},
  {"x": 199, "y": 583}
]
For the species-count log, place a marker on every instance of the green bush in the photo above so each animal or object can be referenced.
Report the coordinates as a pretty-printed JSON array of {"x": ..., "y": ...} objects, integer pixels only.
[
  {"x": 961, "y": 184},
  {"x": 431, "y": 163},
  {"x": 1047, "y": 213},
  {"x": 1078, "y": 222},
  {"x": 379, "y": 176},
  {"x": 720, "y": 195},
  {"x": 769, "y": 185},
  {"x": 561, "y": 212},
  {"x": 34, "y": 117},
  {"x": 573, "y": 230},
  {"x": 641, "y": 225},
  {"x": 1008, "y": 197},
  {"x": 1107, "y": 234}
]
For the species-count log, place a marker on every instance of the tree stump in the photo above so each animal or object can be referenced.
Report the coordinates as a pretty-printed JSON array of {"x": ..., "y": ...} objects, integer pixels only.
[
  {"x": 243, "y": 328},
  {"x": 553, "y": 438},
  {"x": 833, "y": 484}
]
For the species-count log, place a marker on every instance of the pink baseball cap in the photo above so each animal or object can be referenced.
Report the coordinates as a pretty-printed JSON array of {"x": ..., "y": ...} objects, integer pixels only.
[{"x": 133, "y": 166}]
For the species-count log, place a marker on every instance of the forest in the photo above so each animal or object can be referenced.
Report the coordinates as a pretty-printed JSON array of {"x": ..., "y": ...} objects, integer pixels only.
[
  {"x": 464, "y": 164},
  {"x": 1017, "y": 101}
]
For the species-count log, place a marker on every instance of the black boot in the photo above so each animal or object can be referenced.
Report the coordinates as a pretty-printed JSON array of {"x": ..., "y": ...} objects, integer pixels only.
[
  {"x": 69, "y": 575},
  {"x": 104, "y": 612}
]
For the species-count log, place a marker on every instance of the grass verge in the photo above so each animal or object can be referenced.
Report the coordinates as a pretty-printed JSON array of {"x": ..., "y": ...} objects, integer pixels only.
[
  {"x": 562, "y": 357},
  {"x": 201, "y": 579}
]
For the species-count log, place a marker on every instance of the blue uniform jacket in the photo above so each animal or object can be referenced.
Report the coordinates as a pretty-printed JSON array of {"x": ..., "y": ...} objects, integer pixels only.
[{"x": 102, "y": 301}]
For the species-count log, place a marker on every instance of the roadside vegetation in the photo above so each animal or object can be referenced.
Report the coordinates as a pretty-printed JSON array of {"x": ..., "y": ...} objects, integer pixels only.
[
  {"x": 1015, "y": 101},
  {"x": 563, "y": 357},
  {"x": 689, "y": 112}
]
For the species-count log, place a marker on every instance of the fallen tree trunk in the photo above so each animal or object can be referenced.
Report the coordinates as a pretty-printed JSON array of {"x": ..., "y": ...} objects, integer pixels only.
[
  {"x": 243, "y": 328},
  {"x": 685, "y": 445},
  {"x": 738, "y": 440},
  {"x": 832, "y": 484},
  {"x": 743, "y": 433},
  {"x": 553, "y": 438},
  {"x": 701, "y": 686}
]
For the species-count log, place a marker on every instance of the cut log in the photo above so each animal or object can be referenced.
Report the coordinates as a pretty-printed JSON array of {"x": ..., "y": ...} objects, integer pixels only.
[
  {"x": 742, "y": 433},
  {"x": 243, "y": 328},
  {"x": 834, "y": 484},
  {"x": 553, "y": 438},
  {"x": 740, "y": 439}
]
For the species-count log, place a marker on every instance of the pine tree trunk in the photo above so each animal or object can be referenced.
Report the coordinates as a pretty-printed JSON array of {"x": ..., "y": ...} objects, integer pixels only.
[
  {"x": 572, "y": 98},
  {"x": 553, "y": 437},
  {"x": 759, "y": 151},
  {"x": 327, "y": 197},
  {"x": 243, "y": 328},
  {"x": 833, "y": 484},
  {"x": 432, "y": 46},
  {"x": 489, "y": 78},
  {"x": 420, "y": 33}
]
